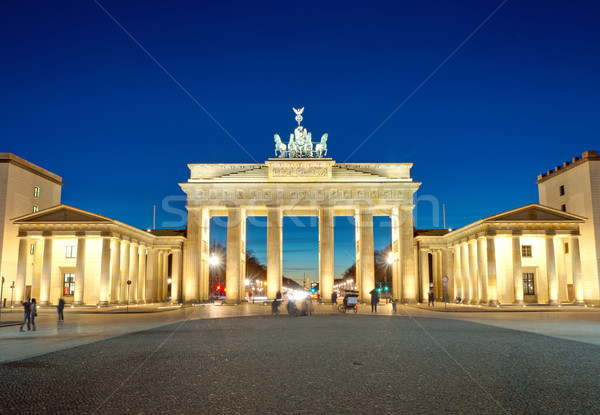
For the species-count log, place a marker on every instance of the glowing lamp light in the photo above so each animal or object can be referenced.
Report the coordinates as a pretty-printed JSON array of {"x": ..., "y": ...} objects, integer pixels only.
[
  {"x": 214, "y": 260},
  {"x": 390, "y": 259}
]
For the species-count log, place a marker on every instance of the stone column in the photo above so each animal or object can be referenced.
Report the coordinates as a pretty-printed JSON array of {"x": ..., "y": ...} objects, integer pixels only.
[
  {"x": 491, "y": 271},
  {"x": 473, "y": 281},
  {"x": 326, "y": 272},
  {"x": 141, "y": 281},
  {"x": 366, "y": 253},
  {"x": 576, "y": 265},
  {"x": 274, "y": 250},
  {"x": 481, "y": 271},
  {"x": 46, "y": 271},
  {"x": 176, "y": 277},
  {"x": 551, "y": 271},
  {"x": 78, "y": 290},
  {"x": 464, "y": 273},
  {"x": 191, "y": 268},
  {"x": 204, "y": 241},
  {"x": 458, "y": 285},
  {"x": 104, "y": 272},
  {"x": 410, "y": 280},
  {"x": 165, "y": 277},
  {"x": 236, "y": 254},
  {"x": 115, "y": 273},
  {"x": 158, "y": 286},
  {"x": 424, "y": 259},
  {"x": 151, "y": 276},
  {"x": 134, "y": 259},
  {"x": 126, "y": 252},
  {"x": 396, "y": 272},
  {"x": 517, "y": 271},
  {"x": 21, "y": 269},
  {"x": 448, "y": 271}
]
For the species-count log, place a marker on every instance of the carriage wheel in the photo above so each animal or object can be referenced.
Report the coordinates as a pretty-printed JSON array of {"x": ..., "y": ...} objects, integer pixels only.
[
  {"x": 341, "y": 308},
  {"x": 355, "y": 309}
]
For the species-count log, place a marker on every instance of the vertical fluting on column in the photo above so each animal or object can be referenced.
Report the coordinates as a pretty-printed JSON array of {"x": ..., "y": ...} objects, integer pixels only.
[
  {"x": 326, "y": 277},
  {"x": 576, "y": 266},
  {"x": 274, "y": 250},
  {"x": 134, "y": 259},
  {"x": 410, "y": 279},
  {"x": 203, "y": 264},
  {"x": 424, "y": 266},
  {"x": 21, "y": 269},
  {"x": 236, "y": 223},
  {"x": 141, "y": 281},
  {"x": 517, "y": 269},
  {"x": 437, "y": 278},
  {"x": 191, "y": 265},
  {"x": 472, "y": 251},
  {"x": 165, "y": 277},
  {"x": 464, "y": 272},
  {"x": 151, "y": 275},
  {"x": 159, "y": 275},
  {"x": 481, "y": 271},
  {"x": 115, "y": 273},
  {"x": 126, "y": 252},
  {"x": 561, "y": 270},
  {"x": 358, "y": 243},
  {"x": 104, "y": 294},
  {"x": 491, "y": 270},
  {"x": 396, "y": 271},
  {"x": 176, "y": 277},
  {"x": 46, "y": 270},
  {"x": 78, "y": 289},
  {"x": 367, "y": 258},
  {"x": 551, "y": 270}
]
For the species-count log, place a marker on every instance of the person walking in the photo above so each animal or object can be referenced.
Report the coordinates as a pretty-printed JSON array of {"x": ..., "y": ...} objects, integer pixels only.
[
  {"x": 27, "y": 318},
  {"x": 334, "y": 298},
  {"x": 33, "y": 312},
  {"x": 394, "y": 305},
  {"x": 374, "y": 300},
  {"x": 431, "y": 298},
  {"x": 59, "y": 308}
]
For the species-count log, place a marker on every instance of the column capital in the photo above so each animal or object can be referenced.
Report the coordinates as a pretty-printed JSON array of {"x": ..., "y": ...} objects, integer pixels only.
[{"x": 47, "y": 234}]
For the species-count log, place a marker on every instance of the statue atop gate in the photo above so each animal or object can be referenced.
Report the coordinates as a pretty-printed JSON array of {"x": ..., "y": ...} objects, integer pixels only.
[{"x": 300, "y": 144}]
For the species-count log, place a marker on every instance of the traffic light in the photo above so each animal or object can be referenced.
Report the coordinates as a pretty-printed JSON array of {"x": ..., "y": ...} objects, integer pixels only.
[
  {"x": 218, "y": 288},
  {"x": 386, "y": 288},
  {"x": 379, "y": 290}
]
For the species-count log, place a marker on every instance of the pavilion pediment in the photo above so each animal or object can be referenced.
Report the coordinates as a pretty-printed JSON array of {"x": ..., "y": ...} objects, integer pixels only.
[
  {"x": 61, "y": 213},
  {"x": 534, "y": 212}
]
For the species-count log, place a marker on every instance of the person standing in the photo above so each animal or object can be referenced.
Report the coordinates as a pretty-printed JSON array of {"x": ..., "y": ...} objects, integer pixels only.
[
  {"x": 33, "y": 312},
  {"x": 334, "y": 298},
  {"x": 394, "y": 305},
  {"x": 374, "y": 300},
  {"x": 60, "y": 307},
  {"x": 27, "y": 318},
  {"x": 431, "y": 298}
]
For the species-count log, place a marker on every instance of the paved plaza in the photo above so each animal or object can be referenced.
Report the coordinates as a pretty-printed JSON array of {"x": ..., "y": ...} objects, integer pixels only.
[{"x": 239, "y": 359}]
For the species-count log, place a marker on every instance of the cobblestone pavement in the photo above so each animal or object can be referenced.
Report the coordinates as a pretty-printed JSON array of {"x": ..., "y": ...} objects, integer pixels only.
[{"x": 324, "y": 364}]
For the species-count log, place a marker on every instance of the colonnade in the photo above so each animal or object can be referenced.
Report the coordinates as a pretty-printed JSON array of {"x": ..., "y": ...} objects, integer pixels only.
[
  {"x": 103, "y": 265},
  {"x": 196, "y": 280},
  {"x": 488, "y": 268}
]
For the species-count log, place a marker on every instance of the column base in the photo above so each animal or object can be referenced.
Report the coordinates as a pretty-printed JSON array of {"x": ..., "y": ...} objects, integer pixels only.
[
  {"x": 102, "y": 304},
  {"x": 77, "y": 303},
  {"x": 518, "y": 302},
  {"x": 554, "y": 302},
  {"x": 580, "y": 302},
  {"x": 493, "y": 303},
  {"x": 44, "y": 303},
  {"x": 411, "y": 301},
  {"x": 483, "y": 302}
]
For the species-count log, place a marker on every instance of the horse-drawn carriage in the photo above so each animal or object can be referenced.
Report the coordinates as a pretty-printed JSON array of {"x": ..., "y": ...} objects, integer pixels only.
[{"x": 350, "y": 302}]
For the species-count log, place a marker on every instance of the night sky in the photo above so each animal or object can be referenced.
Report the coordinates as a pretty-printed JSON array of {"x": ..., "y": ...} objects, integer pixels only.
[{"x": 485, "y": 95}]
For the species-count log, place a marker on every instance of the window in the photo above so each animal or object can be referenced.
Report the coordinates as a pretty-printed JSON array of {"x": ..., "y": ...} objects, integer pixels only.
[
  {"x": 32, "y": 249},
  {"x": 35, "y": 209},
  {"x": 528, "y": 286},
  {"x": 36, "y": 191},
  {"x": 562, "y": 190},
  {"x": 526, "y": 251},
  {"x": 69, "y": 284},
  {"x": 566, "y": 247},
  {"x": 71, "y": 252},
  {"x": 563, "y": 208}
]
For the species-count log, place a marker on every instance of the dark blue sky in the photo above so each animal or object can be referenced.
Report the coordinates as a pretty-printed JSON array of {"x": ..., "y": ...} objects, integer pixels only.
[{"x": 82, "y": 99}]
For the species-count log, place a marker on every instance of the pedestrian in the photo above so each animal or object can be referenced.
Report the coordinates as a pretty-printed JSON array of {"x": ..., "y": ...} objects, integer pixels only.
[
  {"x": 394, "y": 306},
  {"x": 311, "y": 307},
  {"x": 278, "y": 295},
  {"x": 60, "y": 307},
  {"x": 33, "y": 312},
  {"x": 275, "y": 307},
  {"x": 431, "y": 298},
  {"x": 374, "y": 299},
  {"x": 27, "y": 318},
  {"x": 334, "y": 298}
]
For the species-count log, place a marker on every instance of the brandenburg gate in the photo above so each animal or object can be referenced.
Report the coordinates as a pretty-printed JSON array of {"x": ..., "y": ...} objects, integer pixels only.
[{"x": 300, "y": 181}]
